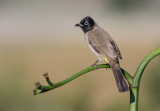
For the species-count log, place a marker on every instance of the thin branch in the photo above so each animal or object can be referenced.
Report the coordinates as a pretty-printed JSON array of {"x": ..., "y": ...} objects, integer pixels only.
[
  {"x": 47, "y": 79},
  {"x": 41, "y": 89}
]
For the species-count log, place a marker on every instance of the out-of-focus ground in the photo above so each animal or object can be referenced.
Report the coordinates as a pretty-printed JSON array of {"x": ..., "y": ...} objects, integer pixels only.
[{"x": 39, "y": 36}]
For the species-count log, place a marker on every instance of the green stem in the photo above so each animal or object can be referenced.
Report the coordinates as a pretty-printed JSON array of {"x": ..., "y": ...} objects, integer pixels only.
[
  {"x": 41, "y": 89},
  {"x": 143, "y": 64},
  {"x": 134, "y": 91}
]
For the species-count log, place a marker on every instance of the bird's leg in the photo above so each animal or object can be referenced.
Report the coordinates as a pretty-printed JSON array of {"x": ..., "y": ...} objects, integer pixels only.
[{"x": 95, "y": 64}]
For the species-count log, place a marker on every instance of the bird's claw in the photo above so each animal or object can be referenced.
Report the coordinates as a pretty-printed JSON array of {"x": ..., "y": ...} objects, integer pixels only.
[{"x": 94, "y": 65}]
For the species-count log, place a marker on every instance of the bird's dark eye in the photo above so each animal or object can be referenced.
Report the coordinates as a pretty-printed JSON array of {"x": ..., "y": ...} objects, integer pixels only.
[{"x": 86, "y": 23}]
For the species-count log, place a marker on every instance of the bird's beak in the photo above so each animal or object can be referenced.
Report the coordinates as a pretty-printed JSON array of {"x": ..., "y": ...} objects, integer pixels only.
[{"x": 78, "y": 25}]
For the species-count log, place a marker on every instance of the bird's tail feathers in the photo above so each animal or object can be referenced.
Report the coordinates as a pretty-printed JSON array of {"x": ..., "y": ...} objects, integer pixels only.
[{"x": 120, "y": 81}]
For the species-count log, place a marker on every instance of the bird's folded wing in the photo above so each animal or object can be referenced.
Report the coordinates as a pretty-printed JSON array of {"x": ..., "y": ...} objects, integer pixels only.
[{"x": 101, "y": 41}]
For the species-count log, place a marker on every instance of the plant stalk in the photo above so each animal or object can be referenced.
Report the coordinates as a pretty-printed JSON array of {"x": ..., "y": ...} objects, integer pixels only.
[{"x": 134, "y": 94}]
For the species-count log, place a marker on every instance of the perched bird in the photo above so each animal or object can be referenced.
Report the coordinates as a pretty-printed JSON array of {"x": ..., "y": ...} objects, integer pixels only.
[{"x": 104, "y": 48}]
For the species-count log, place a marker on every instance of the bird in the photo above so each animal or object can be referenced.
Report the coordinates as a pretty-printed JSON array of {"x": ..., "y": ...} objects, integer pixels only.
[{"x": 104, "y": 48}]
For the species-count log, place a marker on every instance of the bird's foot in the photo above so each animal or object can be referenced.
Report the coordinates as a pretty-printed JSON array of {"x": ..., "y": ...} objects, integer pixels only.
[{"x": 94, "y": 65}]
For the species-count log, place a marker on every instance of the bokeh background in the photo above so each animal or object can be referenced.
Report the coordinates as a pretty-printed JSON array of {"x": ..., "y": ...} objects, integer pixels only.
[{"x": 38, "y": 36}]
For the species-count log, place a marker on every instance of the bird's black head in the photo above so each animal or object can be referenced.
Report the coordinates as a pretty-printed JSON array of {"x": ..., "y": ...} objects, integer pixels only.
[{"x": 86, "y": 24}]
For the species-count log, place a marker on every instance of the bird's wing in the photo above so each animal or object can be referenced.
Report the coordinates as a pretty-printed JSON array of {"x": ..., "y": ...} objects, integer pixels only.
[
  {"x": 116, "y": 49},
  {"x": 101, "y": 41}
]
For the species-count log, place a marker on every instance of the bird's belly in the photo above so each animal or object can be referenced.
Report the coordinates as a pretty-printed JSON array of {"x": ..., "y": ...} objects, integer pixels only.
[
  {"x": 92, "y": 49},
  {"x": 95, "y": 53}
]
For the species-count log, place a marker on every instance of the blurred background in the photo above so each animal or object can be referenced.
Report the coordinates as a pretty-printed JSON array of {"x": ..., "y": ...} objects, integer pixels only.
[{"x": 38, "y": 36}]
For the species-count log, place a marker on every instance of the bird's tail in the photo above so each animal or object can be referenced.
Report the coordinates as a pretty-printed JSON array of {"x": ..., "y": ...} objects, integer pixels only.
[{"x": 120, "y": 81}]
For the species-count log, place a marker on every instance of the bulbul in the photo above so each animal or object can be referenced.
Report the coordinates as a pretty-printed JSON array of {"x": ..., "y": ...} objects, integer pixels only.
[{"x": 104, "y": 48}]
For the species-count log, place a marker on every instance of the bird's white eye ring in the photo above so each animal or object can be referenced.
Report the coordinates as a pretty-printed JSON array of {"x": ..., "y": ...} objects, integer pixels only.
[{"x": 86, "y": 23}]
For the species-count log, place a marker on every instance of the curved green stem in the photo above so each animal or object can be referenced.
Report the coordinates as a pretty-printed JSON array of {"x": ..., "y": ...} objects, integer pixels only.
[
  {"x": 134, "y": 91},
  {"x": 143, "y": 64},
  {"x": 41, "y": 89}
]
